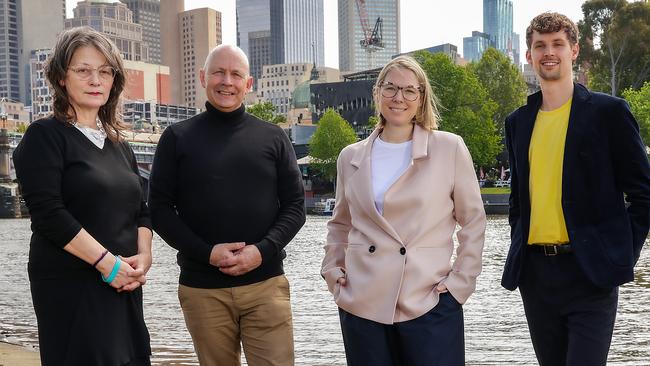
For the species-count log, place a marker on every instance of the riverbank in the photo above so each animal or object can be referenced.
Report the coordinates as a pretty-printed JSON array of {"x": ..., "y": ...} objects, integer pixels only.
[{"x": 13, "y": 355}]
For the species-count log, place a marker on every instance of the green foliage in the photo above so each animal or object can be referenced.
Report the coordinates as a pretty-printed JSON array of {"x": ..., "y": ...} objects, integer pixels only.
[
  {"x": 622, "y": 31},
  {"x": 503, "y": 82},
  {"x": 466, "y": 108},
  {"x": 266, "y": 112},
  {"x": 372, "y": 121},
  {"x": 332, "y": 135},
  {"x": 22, "y": 128},
  {"x": 639, "y": 101}
]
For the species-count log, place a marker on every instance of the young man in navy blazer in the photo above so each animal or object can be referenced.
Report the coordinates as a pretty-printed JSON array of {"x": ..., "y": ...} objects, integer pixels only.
[{"x": 575, "y": 157}]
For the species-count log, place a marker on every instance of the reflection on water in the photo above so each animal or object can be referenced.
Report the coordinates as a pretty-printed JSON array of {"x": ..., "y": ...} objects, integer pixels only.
[{"x": 496, "y": 332}]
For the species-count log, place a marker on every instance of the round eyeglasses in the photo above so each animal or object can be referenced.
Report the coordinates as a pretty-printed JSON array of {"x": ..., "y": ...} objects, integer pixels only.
[
  {"x": 105, "y": 73},
  {"x": 410, "y": 93}
]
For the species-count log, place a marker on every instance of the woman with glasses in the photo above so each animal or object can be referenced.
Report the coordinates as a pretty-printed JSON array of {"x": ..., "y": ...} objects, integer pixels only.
[
  {"x": 388, "y": 257},
  {"x": 90, "y": 248}
]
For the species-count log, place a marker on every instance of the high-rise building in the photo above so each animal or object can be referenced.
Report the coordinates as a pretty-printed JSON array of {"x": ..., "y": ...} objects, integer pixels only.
[
  {"x": 147, "y": 14},
  {"x": 170, "y": 44},
  {"x": 357, "y": 20},
  {"x": 446, "y": 48},
  {"x": 474, "y": 46},
  {"x": 41, "y": 93},
  {"x": 297, "y": 31},
  {"x": 497, "y": 23},
  {"x": 280, "y": 32},
  {"x": 42, "y": 21},
  {"x": 200, "y": 32},
  {"x": 10, "y": 44},
  {"x": 22, "y": 29},
  {"x": 114, "y": 20},
  {"x": 259, "y": 54},
  {"x": 186, "y": 40}
]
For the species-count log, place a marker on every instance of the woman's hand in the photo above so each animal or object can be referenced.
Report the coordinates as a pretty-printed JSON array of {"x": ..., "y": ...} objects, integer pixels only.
[
  {"x": 126, "y": 279},
  {"x": 140, "y": 261}
]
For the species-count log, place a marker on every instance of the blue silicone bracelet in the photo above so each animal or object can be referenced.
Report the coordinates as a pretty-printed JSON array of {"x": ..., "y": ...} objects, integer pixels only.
[{"x": 113, "y": 274}]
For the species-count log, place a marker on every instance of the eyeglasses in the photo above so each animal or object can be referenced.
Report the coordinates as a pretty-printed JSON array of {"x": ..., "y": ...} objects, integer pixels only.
[
  {"x": 410, "y": 93},
  {"x": 105, "y": 73}
]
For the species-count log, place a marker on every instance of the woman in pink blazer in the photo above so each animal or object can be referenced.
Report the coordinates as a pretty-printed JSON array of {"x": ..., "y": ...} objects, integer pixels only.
[{"x": 400, "y": 194}]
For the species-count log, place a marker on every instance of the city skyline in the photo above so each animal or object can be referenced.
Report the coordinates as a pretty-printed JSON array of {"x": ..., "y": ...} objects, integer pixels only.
[{"x": 423, "y": 23}]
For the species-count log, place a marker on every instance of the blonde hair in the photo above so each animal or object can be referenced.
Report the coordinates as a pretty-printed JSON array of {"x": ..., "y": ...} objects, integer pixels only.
[{"x": 427, "y": 115}]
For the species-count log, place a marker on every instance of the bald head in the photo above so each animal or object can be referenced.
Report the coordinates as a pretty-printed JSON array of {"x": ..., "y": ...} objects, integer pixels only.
[
  {"x": 226, "y": 77},
  {"x": 227, "y": 51}
]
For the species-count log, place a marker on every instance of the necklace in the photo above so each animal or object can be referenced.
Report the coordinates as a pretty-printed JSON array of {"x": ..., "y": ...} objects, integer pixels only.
[{"x": 96, "y": 136}]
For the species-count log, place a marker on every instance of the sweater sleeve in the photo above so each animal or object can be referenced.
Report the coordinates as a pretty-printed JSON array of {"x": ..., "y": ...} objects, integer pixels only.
[
  {"x": 39, "y": 162},
  {"x": 162, "y": 202},
  {"x": 291, "y": 198},
  {"x": 144, "y": 217}
]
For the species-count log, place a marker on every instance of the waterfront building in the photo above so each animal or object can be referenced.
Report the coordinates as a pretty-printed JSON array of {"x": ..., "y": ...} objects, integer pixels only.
[
  {"x": 13, "y": 115},
  {"x": 278, "y": 82},
  {"x": 147, "y": 81},
  {"x": 156, "y": 115},
  {"x": 351, "y": 98},
  {"x": 147, "y": 14},
  {"x": 474, "y": 46},
  {"x": 357, "y": 22}
]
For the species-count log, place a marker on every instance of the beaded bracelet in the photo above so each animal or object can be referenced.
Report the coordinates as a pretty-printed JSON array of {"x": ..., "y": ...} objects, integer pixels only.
[
  {"x": 114, "y": 271},
  {"x": 100, "y": 258}
]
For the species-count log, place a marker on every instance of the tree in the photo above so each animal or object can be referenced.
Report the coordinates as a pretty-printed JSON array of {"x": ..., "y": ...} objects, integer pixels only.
[
  {"x": 503, "y": 82},
  {"x": 639, "y": 101},
  {"x": 466, "y": 109},
  {"x": 332, "y": 135},
  {"x": 372, "y": 121},
  {"x": 266, "y": 112},
  {"x": 622, "y": 30}
]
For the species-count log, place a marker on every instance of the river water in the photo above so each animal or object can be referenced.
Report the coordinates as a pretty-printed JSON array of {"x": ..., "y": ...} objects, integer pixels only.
[{"x": 495, "y": 329}]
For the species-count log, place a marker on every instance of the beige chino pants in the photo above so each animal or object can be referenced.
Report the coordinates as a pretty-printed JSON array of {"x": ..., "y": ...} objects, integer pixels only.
[{"x": 258, "y": 315}]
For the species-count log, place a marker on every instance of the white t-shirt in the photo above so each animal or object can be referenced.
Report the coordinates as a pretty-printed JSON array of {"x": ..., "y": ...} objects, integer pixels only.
[{"x": 389, "y": 162}]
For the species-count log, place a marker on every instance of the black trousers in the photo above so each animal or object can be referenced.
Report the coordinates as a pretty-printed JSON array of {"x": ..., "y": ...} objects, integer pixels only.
[
  {"x": 433, "y": 339},
  {"x": 570, "y": 319}
]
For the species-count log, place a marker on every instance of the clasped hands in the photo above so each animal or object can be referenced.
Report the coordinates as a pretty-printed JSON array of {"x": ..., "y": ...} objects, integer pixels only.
[
  {"x": 235, "y": 259},
  {"x": 131, "y": 273}
]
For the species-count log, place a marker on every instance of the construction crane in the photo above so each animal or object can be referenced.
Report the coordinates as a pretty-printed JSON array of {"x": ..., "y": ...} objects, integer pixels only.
[{"x": 372, "y": 38}]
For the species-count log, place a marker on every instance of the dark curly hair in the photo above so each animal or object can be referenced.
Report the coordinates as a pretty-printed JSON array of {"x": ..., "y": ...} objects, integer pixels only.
[
  {"x": 550, "y": 23},
  {"x": 56, "y": 68}
]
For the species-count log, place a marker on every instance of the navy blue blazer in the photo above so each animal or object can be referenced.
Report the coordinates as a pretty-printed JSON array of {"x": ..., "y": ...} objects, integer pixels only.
[{"x": 605, "y": 164}]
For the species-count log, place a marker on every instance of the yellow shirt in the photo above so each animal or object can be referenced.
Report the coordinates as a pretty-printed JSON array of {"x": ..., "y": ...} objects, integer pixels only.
[{"x": 546, "y": 157}]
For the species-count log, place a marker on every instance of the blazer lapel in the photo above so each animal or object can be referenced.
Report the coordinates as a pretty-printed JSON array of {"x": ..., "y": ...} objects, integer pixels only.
[
  {"x": 578, "y": 121},
  {"x": 360, "y": 184}
]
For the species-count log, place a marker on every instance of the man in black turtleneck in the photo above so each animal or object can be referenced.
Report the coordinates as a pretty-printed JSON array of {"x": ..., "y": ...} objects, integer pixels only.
[{"x": 226, "y": 192}]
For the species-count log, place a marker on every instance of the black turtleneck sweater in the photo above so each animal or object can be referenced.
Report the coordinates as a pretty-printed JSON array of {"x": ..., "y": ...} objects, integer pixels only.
[{"x": 222, "y": 177}]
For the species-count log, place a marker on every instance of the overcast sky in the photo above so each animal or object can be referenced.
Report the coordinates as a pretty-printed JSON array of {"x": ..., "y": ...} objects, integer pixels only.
[{"x": 424, "y": 23}]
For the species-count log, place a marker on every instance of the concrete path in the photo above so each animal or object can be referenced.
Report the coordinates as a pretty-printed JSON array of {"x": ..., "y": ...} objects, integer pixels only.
[{"x": 12, "y": 355}]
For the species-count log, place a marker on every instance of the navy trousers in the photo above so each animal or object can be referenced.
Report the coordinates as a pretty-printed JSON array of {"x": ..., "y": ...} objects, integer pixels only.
[
  {"x": 433, "y": 339},
  {"x": 570, "y": 319}
]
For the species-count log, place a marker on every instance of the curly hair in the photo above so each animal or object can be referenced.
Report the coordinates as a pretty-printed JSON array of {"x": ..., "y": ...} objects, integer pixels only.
[
  {"x": 550, "y": 23},
  {"x": 427, "y": 115},
  {"x": 56, "y": 68}
]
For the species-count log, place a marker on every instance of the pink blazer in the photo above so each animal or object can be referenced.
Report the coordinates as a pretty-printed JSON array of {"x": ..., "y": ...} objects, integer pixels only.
[{"x": 394, "y": 261}]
